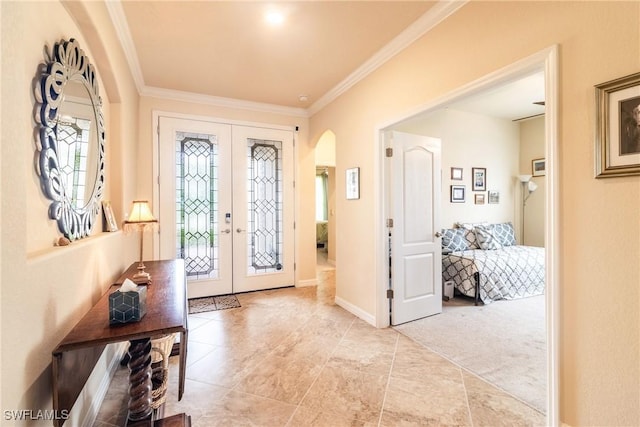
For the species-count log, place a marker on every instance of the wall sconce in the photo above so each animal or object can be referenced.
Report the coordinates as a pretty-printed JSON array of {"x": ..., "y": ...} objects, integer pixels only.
[
  {"x": 140, "y": 217},
  {"x": 528, "y": 187}
]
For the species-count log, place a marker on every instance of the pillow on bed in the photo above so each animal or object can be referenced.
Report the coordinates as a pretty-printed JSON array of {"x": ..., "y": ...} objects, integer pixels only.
[
  {"x": 486, "y": 237},
  {"x": 468, "y": 227},
  {"x": 504, "y": 233},
  {"x": 453, "y": 239}
]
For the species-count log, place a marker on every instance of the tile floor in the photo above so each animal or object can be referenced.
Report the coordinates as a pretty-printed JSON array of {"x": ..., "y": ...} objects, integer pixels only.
[{"x": 291, "y": 357}]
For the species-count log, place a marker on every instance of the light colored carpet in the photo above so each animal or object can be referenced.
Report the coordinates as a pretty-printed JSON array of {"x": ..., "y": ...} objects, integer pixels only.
[{"x": 503, "y": 342}]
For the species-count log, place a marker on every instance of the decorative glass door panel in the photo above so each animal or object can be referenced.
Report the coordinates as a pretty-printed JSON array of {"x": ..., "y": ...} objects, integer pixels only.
[
  {"x": 265, "y": 238},
  {"x": 196, "y": 204},
  {"x": 226, "y": 205}
]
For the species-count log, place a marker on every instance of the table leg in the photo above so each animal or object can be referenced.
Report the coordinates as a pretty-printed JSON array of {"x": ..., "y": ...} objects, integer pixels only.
[{"x": 140, "y": 379}]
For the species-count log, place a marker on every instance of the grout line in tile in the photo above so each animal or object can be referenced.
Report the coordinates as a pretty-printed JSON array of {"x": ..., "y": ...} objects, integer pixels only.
[
  {"x": 320, "y": 372},
  {"x": 386, "y": 388},
  {"x": 462, "y": 368}
]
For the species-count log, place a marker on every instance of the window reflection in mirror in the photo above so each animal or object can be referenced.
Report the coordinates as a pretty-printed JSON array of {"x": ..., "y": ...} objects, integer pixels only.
[{"x": 77, "y": 144}]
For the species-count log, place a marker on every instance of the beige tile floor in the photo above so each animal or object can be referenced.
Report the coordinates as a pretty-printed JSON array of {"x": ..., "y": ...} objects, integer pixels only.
[{"x": 291, "y": 357}]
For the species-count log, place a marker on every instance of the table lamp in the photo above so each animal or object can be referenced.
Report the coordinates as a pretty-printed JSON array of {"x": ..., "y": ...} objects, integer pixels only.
[{"x": 140, "y": 216}]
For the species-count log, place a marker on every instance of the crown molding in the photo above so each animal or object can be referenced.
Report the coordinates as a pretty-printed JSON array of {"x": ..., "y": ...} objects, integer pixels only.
[
  {"x": 197, "y": 98},
  {"x": 438, "y": 13},
  {"x": 119, "y": 21}
]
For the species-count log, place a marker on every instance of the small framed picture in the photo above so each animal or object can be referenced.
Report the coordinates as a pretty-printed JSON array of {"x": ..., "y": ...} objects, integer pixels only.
[
  {"x": 479, "y": 177},
  {"x": 479, "y": 199},
  {"x": 456, "y": 174},
  {"x": 493, "y": 197},
  {"x": 110, "y": 223},
  {"x": 457, "y": 194},
  {"x": 538, "y": 167},
  {"x": 353, "y": 183},
  {"x": 618, "y": 127}
]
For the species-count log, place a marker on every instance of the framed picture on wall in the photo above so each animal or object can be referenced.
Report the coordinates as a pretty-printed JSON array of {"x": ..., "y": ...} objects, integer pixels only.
[
  {"x": 493, "y": 197},
  {"x": 479, "y": 199},
  {"x": 456, "y": 174},
  {"x": 110, "y": 223},
  {"x": 353, "y": 183},
  {"x": 479, "y": 177},
  {"x": 457, "y": 194},
  {"x": 538, "y": 167},
  {"x": 618, "y": 127}
]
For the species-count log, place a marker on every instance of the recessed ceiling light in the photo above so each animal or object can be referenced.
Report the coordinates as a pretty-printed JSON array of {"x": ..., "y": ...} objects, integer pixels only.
[
  {"x": 274, "y": 17},
  {"x": 303, "y": 98}
]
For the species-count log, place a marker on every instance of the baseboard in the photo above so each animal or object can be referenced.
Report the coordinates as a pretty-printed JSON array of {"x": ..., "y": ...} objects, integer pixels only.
[
  {"x": 356, "y": 311},
  {"x": 95, "y": 390},
  {"x": 305, "y": 283}
]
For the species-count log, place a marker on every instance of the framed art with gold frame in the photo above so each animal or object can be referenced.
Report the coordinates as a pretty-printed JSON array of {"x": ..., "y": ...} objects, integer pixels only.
[{"x": 617, "y": 145}]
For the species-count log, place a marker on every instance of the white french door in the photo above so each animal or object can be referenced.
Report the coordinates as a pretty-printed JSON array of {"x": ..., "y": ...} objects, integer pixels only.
[
  {"x": 416, "y": 253},
  {"x": 226, "y": 205}
]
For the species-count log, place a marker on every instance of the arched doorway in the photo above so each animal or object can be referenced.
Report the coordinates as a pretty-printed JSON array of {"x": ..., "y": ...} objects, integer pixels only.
[{"x": 325, "y": 212}]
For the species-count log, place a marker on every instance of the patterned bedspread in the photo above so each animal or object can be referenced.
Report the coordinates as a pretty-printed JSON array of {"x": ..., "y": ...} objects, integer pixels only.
[{"x": 508, "y": 273}]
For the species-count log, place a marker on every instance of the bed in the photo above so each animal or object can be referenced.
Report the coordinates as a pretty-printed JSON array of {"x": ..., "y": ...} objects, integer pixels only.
[{"x": 484, "y": 262}]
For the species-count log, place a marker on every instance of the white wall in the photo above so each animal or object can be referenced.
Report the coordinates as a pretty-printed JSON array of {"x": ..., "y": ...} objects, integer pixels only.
[{"x": 473, "y": 140}]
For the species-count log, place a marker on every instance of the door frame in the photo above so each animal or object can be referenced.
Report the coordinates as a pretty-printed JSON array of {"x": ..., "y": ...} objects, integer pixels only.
[
  {"x": 547, "y": 61},
  {"x": 155, "y": 130}
]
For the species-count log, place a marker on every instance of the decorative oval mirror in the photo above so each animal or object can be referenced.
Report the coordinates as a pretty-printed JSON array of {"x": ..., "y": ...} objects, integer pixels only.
[{"x": 70, "y": 139}]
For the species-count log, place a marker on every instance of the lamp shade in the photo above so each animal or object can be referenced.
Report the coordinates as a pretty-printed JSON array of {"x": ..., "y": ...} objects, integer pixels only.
[
  {"x": 524, "y": 178},
  {"x": 532, "y": 186},
  {"x": 140, "y": 212}
]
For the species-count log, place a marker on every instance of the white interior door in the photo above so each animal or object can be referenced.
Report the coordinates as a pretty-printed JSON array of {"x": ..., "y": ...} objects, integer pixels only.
[
  {"x": 226, "y": 205},
  {"x": 416, "y": 253}
]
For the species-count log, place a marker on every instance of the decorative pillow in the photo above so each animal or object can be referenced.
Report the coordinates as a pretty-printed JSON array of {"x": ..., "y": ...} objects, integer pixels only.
[
  {"x": 469, "y": 234},
  {"x": 453, "y": 239},
  {"x": 486, "y": 238},
  {"x": 505, "y": 233}
]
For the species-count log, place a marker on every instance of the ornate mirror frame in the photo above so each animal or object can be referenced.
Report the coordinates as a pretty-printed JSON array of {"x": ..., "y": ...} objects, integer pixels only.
[{"x": 66, "y": 64}]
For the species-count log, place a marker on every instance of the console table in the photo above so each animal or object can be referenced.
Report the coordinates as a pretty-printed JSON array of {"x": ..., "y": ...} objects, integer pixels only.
[{"x": 77, "y": 353}]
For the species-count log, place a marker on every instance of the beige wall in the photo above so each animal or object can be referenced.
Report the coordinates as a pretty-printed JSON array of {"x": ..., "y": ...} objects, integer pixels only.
[
  {"x": 46, "y": 290},
  {"x": 599, "y": 231},
  {"x": 532, "y": 147},
  {"x": 305, "y": 166},
  {"x": 473, "y": 140}
]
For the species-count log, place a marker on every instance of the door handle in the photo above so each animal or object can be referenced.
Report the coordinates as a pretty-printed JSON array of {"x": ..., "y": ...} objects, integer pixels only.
[
  {"x": 239, "y": 230},
  {"x": 227, "y": 231},
  {"x": 438, "y": 234}
]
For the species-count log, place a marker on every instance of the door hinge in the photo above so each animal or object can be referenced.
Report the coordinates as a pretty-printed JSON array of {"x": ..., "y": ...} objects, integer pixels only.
[
  {"x": 390, "y": 293},
  {"x": 390, "y": 223},
  {"x": 389, "y": 152}
]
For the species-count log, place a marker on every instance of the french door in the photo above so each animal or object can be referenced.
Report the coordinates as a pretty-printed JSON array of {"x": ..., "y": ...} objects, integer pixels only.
[{"x": 226, "y": 205}]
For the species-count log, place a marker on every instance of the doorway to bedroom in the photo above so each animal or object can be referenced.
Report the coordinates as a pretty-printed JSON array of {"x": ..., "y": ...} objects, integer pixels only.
[{"x": 511, "y": 190}]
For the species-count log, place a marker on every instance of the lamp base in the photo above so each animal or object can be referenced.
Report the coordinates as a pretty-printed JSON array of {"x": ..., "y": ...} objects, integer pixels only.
[{"x": 141, "y": 277}]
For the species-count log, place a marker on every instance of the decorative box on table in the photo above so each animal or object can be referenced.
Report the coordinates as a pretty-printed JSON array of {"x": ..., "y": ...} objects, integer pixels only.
[{"x": 128, "y": 306}]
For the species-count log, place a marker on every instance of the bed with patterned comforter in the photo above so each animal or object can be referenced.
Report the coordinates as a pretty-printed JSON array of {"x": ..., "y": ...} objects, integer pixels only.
[
  {"x": 508, "y": 273},
  {"x": 484, "y": 262}
]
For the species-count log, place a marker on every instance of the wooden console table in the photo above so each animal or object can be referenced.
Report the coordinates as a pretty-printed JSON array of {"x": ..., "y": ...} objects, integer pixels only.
[{"x": 75, "y": 356}]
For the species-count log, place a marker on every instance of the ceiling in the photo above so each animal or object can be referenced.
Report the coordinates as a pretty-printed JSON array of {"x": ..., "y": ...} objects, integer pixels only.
[{"x": 227, "y": 51}]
